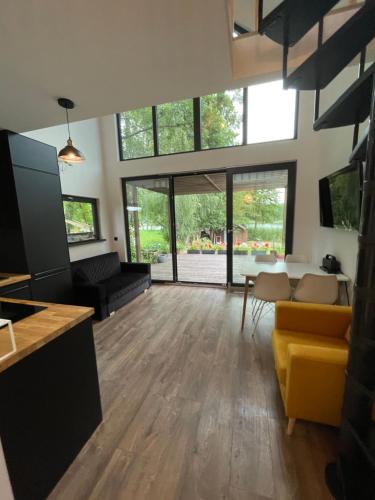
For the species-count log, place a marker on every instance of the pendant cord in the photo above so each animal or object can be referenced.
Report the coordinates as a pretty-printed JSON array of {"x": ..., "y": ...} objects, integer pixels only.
[{"x": 67, "y": 121}]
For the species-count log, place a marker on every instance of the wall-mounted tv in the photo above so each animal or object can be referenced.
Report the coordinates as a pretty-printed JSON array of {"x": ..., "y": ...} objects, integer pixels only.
[{"x": 340, "y": 198}]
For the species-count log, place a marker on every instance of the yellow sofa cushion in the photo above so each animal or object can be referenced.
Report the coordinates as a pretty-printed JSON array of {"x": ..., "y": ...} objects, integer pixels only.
[
  {"x": 282, "y": 338},
  {"x": 319, "y": 319}
]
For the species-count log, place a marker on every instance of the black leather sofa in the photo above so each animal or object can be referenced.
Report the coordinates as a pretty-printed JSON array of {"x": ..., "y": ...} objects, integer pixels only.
[{"x": 105, "y": 283}]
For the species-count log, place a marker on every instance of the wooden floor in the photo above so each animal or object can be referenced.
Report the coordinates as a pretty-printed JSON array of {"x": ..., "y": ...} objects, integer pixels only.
[{"x": 192, "y": 409}]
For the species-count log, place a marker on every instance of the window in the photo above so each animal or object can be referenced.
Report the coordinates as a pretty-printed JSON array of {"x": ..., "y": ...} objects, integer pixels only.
[
  {"x": 136, "y": 133},
  {"x": 81, "y": 219},
  {"x": 175, "y": 127},
  {"x": 271, "y": 112},
  {"x": 222, "y": 119},
  {"x": 259, "y": 113}
]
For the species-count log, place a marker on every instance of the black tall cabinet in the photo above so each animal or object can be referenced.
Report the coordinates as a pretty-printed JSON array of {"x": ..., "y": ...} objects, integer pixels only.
[{"x": 32, "y": 226}]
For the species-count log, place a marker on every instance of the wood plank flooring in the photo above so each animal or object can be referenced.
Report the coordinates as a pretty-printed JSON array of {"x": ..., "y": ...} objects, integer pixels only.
[{"x": 192, "y": 409}]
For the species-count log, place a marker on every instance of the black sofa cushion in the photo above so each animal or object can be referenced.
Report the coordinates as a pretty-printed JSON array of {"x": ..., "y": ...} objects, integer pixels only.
[
  {"x": 121, "y": 284},
  {"x": 96, "y": 269}
]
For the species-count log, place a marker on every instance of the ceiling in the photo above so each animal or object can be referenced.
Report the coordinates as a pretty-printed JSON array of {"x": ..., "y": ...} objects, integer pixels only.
[{"x": 108, "y": 56}]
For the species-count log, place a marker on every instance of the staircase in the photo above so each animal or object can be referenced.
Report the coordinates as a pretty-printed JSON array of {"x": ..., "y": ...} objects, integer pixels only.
[{"x": 352, "y": 476}]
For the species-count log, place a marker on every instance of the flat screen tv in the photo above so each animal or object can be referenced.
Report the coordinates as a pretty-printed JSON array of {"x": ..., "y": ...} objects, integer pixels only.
[{"x": 340, "y": 198}]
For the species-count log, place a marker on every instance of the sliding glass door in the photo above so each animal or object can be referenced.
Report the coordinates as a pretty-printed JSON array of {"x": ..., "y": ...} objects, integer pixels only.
[
  {"x": 147, "y": 210},
  {"x": 261, "y": 215},
  {"x": 201, "y": 227},
  {"x": 206, "y": 227}
]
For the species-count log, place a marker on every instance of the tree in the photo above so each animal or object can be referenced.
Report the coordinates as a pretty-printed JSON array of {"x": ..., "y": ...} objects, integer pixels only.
[
  {"x": 221, "y": 119},
  {"x": 78, "y": 216},
  {"x": 212, "y": 212},
  {"x": 136, "y": 133},
  {"x": 261, "y": 205},
  {"x": 187, "y": 223}
]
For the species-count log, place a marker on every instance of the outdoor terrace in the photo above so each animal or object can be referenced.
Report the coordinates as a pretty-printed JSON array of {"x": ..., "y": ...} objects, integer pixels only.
[{"x": 201, "y": 268}]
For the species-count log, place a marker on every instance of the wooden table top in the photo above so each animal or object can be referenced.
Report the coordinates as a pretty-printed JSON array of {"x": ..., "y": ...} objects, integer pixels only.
[
  {"x": 37, "y": 330},
  {"x": 293, "y": 269},
  {"x": 10, "y": 278}
]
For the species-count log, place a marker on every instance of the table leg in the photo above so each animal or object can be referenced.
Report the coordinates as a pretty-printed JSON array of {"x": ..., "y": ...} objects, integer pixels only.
[{"x": 246, "y": 293}]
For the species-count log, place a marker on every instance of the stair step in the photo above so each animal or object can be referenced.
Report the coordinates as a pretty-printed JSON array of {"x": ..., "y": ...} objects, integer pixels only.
[
  {"x": 303, "y": 16},
  {"x": 359, "y": 152},
  {"x": 353, "y": 106},
  {"x": 336, "y": 53}
]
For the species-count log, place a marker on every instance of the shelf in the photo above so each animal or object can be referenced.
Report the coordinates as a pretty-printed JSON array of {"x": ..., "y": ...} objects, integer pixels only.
[
  {"x": 85, "y": 242},
  {"x": 359, "y": 152},
  {"x": 353, "y": 106},
  {"x": 303, "y": 16},
  {"x": 336, "y": 53}
]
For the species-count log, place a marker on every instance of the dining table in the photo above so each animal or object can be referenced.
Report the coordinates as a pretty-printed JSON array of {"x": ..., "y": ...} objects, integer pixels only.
[{"x": 294, "y": 270}]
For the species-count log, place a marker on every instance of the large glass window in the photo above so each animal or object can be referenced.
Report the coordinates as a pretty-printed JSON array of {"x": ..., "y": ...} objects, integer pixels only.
[
  {"x": 261, "y": 113},
  {"x": 81, "y": 219},
  {"x": 175, "y": 127},
  {"x": 136, "y": 133},
  {"x": 271, "y": 112},
  {"x": 222, "y": 119}
]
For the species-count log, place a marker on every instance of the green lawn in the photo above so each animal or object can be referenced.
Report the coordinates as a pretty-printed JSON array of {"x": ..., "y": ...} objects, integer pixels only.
[{"x": 150, "y": 236}]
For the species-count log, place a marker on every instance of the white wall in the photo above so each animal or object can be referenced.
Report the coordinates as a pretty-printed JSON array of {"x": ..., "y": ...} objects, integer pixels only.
[
  {"x": 317, "y": 154},
  {"x": 85, "y": 179}
]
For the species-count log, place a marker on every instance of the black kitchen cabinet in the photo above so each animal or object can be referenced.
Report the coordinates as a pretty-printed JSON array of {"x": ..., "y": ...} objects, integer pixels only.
[
  {"x": 32, "y": 225},
  {"x": 43, "y": 220},
  {"x": 16, "y": 291},
  {"x": 53, "y": 287},
  {"x": 50, "y": 406}
]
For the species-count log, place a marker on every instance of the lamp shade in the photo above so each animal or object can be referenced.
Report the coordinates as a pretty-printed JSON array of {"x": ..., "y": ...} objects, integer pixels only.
[{"x": 70, "y": 154}]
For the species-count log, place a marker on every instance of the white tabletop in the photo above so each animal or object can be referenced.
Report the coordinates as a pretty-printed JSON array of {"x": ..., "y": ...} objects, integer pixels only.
[{"x": 295, "y": 271}]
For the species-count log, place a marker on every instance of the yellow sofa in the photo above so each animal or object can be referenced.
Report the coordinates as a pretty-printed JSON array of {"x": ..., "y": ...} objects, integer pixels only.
[{"x": 310, "y": 348}]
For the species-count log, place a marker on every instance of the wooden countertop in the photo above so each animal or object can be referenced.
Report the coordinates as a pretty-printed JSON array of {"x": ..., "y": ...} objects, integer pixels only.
[
  {"x": 37, "y": 330},
  {"x": 10, "y": 279}
]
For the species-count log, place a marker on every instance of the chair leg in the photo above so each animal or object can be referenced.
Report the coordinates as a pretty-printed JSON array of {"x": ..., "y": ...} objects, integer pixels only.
[
  {"x": 258, "y": 304},
  {"x": 257, "y": 317},
  {"x": 291, "y": 424}
]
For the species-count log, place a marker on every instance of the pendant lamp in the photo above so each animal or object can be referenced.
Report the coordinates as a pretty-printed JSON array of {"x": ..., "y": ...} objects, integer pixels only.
[{"x": 69, "y": 153}]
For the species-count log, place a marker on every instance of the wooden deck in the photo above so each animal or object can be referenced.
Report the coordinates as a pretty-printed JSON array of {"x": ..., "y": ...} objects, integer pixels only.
[
  {"x": 192, "y": 409},
  {"x": 201, "y": 268}
]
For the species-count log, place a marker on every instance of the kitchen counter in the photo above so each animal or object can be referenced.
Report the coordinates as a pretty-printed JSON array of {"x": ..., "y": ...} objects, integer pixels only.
[
  {"x": 37, "y": 330},
  {"x": 11, "y": 279},
  {"x": 49, "y": 393}
]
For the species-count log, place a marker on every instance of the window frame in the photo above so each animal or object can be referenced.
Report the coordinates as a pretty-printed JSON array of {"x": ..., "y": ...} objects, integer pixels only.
[
  {"x": 95, "y": 215},
  {"x": 197, "y": 130}
]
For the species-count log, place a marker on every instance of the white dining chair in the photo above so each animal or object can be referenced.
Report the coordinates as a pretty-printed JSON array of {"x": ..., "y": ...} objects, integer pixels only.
[
  {"x": 296, "y": 258},
  {"x": 268, "y": 289},
  {"x": 271, "y": 258},
  {"x": 317, "y": 289}
]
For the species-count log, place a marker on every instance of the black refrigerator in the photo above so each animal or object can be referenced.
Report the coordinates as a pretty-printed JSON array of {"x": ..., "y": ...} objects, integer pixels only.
[{"x": 32, "y": 226}]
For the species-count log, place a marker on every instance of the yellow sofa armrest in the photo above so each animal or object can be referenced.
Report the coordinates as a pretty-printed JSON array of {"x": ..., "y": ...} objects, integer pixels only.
[
  {"x": 319, "y": 319},
  {"x": 315, "y": 383}
]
